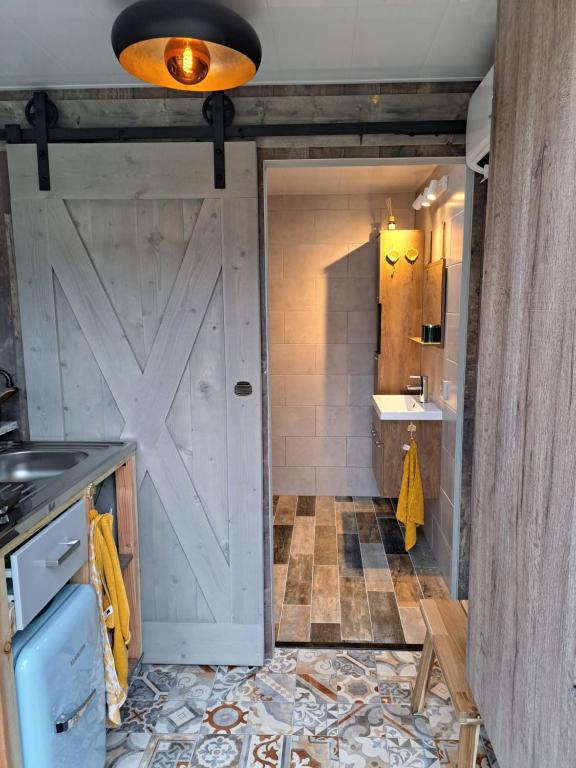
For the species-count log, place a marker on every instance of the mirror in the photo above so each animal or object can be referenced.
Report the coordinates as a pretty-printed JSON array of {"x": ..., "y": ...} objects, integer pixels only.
[{"x": 433, "y": 295}]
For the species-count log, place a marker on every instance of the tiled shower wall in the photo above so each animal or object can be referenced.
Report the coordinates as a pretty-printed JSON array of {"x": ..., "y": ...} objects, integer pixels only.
[
  {"x": 446, "y": 220},
  {"x": 322, "y": 288}
]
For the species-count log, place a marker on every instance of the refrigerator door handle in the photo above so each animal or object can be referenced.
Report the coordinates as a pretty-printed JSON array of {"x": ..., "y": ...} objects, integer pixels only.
[{"x": 67, "y": 722}]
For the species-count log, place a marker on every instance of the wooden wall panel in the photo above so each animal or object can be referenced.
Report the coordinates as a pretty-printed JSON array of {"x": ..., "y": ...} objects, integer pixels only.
[
  {"x": 522, "y": 643},
  {"x": 401, "y": 302}
]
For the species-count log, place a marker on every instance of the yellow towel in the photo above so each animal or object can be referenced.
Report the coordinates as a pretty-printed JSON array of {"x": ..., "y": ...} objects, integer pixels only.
[
  {"x": 410, "y": 510},
  {"x": 106, "y": 578}
]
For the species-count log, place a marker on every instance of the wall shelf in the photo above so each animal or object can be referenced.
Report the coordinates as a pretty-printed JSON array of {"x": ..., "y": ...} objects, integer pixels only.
[
  {"x": 8, "y": 426},
  {"x": 418, "y": 340}
]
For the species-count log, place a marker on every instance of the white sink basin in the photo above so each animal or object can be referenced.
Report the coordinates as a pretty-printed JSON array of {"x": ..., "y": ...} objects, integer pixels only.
[{"x": 404, "y": 408}]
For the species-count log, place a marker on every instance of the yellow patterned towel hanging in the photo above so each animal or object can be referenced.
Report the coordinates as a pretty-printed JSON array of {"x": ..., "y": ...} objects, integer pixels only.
[
  {"x": 106, "y": 578},
  {"x": 410, "y": 511}
]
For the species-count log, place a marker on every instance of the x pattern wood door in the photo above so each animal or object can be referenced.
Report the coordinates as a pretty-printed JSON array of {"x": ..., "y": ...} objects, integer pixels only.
[{"x": 139, "y": 315}]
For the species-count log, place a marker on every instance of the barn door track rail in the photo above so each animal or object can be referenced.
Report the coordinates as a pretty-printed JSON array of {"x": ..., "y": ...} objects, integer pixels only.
[{"x": 218, "y": 111}]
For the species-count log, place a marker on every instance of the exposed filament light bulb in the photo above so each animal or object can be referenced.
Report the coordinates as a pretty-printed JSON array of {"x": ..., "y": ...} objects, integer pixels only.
[{"x": 187, "y": 60}]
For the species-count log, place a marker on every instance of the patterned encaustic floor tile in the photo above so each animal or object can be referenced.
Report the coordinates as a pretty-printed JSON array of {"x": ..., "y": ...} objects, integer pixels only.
[{"x": 305, "y": 708}]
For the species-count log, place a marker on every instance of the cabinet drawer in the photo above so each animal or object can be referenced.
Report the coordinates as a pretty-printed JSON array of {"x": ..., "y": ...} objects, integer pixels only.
[{"x": 42, "y": 566}]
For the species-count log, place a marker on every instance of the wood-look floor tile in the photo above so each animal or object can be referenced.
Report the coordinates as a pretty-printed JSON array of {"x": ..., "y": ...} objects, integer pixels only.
[
  {"x": 285, "y": 510},
  {"x": 383, "y": 507},
  {"x": 392, "y": 537},
  {"x": 405, "y": 581},
  {"x": 433, "y": 585},
  {"x": 325, "y": 594},
  {"x": 368, "y": 530},
  {"x": 386, "y": 623},
  {"x": 306, "y": 506},
  {"x": 355, "y": 625},
  {"x": 299, "y": 580},
  {"x": 280, "y": 573},
  {"x": 295, "y": 624},
  {"x": 345, "y": 519},
  {"x": 325, "y": 551},
  {"x": 376, "y": 570},
  {"x": 303, "y": 536},
  {"x": 325, "y": 633},
  {"x": 325, "y": 510},
  {"x": 343, "y": 498},
  {"x": 349, "y": 556},
  {"x": 282, "y": 540},
  {"x": 412, "y": 624}
]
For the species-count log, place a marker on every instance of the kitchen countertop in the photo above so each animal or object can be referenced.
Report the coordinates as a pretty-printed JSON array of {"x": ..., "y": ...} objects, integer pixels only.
[{"x": 43, "y": 500}]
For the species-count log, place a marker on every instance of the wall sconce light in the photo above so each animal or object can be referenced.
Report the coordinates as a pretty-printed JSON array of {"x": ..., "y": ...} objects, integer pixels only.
[{"x": 436, "y": 188}]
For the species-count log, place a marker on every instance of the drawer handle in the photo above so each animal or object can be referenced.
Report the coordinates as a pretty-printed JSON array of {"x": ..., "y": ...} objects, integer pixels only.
[
  {"x": 67, "y": 722},
  {"x": 71, "y": 546}
]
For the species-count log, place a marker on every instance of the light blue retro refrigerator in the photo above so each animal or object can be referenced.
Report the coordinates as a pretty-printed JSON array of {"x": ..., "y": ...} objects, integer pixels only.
[{"x": 60, "y": 684}]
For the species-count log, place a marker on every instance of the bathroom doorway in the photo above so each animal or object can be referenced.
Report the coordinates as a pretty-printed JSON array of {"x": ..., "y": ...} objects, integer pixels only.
[{"x": 341, "y": 572}]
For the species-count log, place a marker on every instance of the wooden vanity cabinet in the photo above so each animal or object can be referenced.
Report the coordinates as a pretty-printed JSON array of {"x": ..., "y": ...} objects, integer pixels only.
[{"x": 388, "y": 437}]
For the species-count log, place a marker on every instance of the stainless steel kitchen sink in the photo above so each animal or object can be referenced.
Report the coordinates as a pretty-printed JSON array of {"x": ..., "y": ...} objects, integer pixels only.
[{"x": 26, "y": 466}]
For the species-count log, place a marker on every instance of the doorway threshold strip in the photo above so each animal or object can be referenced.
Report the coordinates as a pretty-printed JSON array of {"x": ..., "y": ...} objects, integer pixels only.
[
  {"x": 342, "y": 577},
  {"x": 304, "y": 707}
]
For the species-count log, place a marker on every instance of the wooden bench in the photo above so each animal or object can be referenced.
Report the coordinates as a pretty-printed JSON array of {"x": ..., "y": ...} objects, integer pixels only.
[{"x": 446, "y": 631}]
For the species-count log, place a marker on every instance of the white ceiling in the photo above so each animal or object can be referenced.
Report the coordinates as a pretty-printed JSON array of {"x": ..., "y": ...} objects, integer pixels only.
[
  {"x": 66, "y": 43},
  {"x": 347, "y": 180}
]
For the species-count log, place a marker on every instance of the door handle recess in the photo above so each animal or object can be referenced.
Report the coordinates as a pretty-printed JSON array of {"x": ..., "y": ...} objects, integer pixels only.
[
  {"x": 243, "y": 388},
  {"x": 67, "y": 722},
  {"x": 55, "y": 562}
]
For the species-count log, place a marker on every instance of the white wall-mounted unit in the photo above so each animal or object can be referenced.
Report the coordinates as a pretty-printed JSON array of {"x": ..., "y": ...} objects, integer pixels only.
[{"x": 478, "y": 126}]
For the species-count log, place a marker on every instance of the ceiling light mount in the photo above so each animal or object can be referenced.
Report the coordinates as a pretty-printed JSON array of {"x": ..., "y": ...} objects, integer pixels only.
[{"x": 191, "y": 45}]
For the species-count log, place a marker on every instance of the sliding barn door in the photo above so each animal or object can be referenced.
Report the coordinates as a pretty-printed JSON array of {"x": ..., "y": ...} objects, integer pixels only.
[{"x": 139, "y": 297}]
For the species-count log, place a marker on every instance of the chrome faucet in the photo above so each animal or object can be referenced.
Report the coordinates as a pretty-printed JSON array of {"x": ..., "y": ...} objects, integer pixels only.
[{"x": 422, "y": 388}]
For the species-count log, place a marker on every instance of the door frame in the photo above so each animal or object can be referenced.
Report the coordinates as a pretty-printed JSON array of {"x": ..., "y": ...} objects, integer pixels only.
[{"x": 295, "y": 157}]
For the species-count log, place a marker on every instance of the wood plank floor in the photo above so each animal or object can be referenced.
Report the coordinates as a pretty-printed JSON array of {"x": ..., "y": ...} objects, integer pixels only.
[{"x": 342, "y": 575}]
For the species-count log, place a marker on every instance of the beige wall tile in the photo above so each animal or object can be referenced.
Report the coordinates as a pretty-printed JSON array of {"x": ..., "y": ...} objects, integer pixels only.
[
  {"x": 352, "y": 294},
  {"x": 353, "y": 421},
  {"x": 308, "y": 259},
  {"x": 345, "y": 358},
  {"x": 451, "y": 336},
  {"x": 285, "y": 226},
  {"x": 453, "y": 279},
  {"x": 292, "y": 358},
  {"x": 447, "y": 476},
  {"x": 360, "y": 390},
  {"x": 316, "y": 390},
  {"x": 291, "y": 293},
  {"x": 309, "y": 326},
  {"x": 451, "y": 376},
  {"x": 346, "y": 481},
  {"x": 275, "y": 255},
  {"x": 359, "y": 451},
  {"x": 354, "y": 227},
  {"x": 456, "y": 246},
  {"x": 278, "y": 450},
  {"x": 277, "y": 390},
  {"x": 293, "y": 420},
  {"x": 363, "y": 327},
  {"x": 298, "y": 481},
  {"x": 276, "y": 327},
  {"x": 363, "y": 260},
  {"x": 316, "y": 451}
]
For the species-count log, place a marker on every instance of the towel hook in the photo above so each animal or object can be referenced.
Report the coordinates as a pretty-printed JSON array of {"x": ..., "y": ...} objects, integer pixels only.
[{"x": 412, "y": 430}]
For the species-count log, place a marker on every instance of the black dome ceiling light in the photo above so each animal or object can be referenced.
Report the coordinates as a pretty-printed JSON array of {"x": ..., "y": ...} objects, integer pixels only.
[{"x": 190, "y": 45}]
